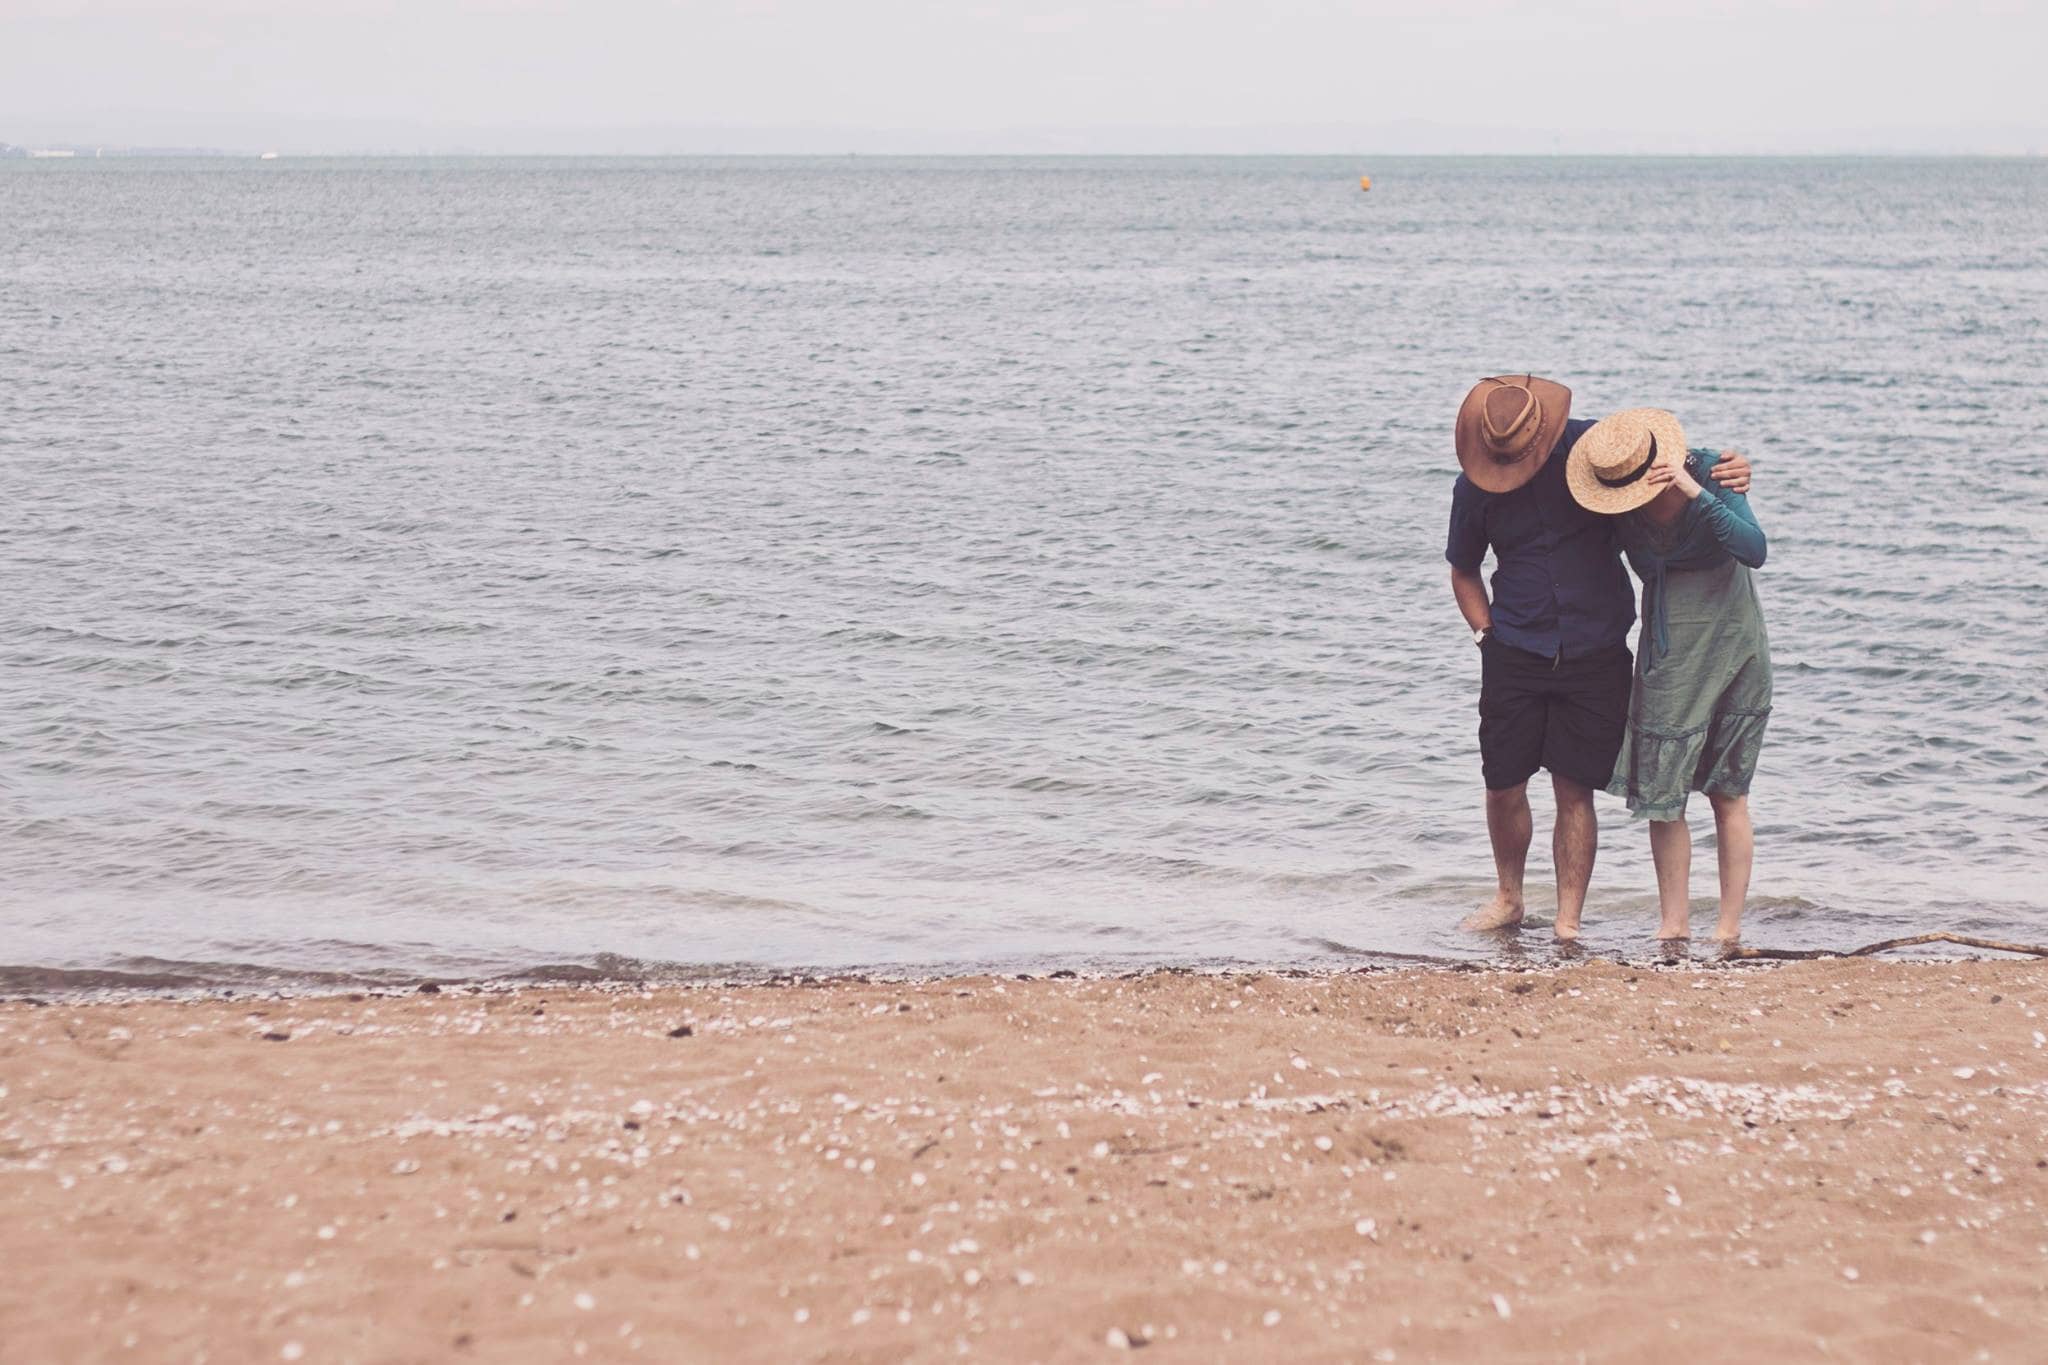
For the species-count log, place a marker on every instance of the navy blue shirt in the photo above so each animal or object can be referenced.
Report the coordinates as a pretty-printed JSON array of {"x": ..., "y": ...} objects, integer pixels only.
[{"x": 1558, "y": 585}]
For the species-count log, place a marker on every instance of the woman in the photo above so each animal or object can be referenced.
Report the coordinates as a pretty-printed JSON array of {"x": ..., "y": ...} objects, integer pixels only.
[{"x": 1703, "y": 664}]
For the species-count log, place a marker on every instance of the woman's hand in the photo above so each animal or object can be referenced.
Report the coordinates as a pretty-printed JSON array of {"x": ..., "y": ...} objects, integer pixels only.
[{"x": 1675, "y": 474}]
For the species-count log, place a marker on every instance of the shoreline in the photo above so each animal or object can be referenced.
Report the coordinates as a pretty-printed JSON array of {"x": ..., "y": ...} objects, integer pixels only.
[
  {"x": 1520, "y": 1163},
  {"x": 31, "y": 984},
  {"x": 54, "y": 985}
]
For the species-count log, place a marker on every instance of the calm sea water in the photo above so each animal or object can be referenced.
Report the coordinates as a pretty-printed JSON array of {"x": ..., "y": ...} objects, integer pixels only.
[{"x": 464, "y": 567}]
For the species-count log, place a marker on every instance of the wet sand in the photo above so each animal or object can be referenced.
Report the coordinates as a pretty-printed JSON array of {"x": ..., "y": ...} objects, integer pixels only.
[{"x": 1829, "y": 1160}]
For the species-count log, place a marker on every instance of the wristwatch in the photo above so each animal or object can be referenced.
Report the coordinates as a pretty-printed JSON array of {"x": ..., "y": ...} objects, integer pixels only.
[{"x": 1482, "y": 635}]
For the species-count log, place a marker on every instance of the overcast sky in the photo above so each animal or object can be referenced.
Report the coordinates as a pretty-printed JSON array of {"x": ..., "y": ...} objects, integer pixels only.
[{"x": 1100, "y": 75}]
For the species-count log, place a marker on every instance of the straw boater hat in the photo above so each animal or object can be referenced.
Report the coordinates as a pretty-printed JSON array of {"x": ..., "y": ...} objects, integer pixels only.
[
  {"x": 1610, "y": 459},
  {"x": 1507, "y": 427}
]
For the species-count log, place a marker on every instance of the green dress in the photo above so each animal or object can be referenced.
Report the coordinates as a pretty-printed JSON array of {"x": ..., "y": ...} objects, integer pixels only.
[{"x": 1703, "y": 662}]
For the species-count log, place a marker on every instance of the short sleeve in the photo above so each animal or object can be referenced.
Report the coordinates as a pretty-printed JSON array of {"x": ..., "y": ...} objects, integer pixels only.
[{"x": 1465, "y": 547}]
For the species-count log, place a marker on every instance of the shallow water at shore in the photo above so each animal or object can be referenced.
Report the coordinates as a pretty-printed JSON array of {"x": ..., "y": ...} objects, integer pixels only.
[{"x": 452, "y": 568}]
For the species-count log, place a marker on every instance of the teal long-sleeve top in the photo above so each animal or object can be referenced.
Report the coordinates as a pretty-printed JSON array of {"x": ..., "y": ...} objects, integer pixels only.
[{"x": 1715, "y": 526}]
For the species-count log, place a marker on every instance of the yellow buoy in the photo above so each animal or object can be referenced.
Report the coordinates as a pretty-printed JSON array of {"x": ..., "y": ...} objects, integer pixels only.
[{"x": 1365, "y": 182}]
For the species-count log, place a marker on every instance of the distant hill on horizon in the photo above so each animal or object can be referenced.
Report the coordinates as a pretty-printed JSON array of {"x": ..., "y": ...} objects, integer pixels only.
[{"x": 99, "y": 150}]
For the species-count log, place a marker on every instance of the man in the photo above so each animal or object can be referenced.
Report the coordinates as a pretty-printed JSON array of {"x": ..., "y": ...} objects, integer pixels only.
[{"x": 1553, "y": 639}]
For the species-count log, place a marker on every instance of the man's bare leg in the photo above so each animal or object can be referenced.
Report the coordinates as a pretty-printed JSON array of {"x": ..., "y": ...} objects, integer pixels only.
[
  {"x": 1574, "y": 842},
  {"x": 1735, "y": 846},
  {"x": 1508, "y": 826},
  {"x": 1671, "y": 850}
]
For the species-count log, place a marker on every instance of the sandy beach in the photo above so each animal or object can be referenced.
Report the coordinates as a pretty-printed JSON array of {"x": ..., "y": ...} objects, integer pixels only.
[{"x": 1818, "y": 1161}]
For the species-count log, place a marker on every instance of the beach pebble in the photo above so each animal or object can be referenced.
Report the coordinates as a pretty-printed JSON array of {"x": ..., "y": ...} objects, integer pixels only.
[
  {"x": 1502, "y": 1307},
  {"x": 585, "y": 1302},
  {"x": 405, "y": 1167},
  {"x": 1117, "y": 1339},
  {"x": 1272, "y": 1318},
  {"x": 1300, "y": 1064},
  {"x": 292, "y": 1350},
  {"x": 1849, "y": 1272},
  {"x": 1323, "y": 1144},
  {"x": 1964, "y": 1073},
  {"x": 1367, "y": 1227}
]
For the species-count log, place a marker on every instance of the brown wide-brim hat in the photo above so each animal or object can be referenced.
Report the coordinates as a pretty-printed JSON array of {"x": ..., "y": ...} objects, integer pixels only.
[
  {"x": 1507, "y": 427},
  {"x": 1608, "y": 464}
]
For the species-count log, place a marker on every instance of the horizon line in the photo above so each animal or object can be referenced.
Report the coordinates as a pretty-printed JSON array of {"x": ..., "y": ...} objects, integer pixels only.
[{"x": 90, "y": 151}]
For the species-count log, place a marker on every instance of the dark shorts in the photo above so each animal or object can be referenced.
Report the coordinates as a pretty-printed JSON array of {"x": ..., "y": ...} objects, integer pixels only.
[{"x": 1567, "y": 717}]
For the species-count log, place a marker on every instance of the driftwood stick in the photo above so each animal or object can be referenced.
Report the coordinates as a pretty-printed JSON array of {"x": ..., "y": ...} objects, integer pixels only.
[{"x": 1939, "y": 936}]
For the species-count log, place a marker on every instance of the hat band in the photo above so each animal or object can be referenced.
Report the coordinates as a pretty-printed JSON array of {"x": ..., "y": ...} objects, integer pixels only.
[{"x": 1636, "y": 473}]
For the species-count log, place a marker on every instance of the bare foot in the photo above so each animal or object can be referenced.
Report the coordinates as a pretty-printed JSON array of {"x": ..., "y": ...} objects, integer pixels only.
[
  {"x": 1565, "y": 933},
  {"x": 1504, "y": 911},
  {"x": 1667, "y": 931}
]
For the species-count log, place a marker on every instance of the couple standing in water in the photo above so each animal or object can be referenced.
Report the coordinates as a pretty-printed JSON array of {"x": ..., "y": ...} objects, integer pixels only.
[{"x": 1559, "y": 502}]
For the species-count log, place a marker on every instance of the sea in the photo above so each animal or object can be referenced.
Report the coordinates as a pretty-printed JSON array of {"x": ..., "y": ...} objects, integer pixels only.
[{"x": 689, "y": 569}]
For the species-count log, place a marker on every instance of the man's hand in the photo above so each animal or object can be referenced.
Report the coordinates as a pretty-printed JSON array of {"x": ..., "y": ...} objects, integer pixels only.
[{"x": 1731, "y": 471}]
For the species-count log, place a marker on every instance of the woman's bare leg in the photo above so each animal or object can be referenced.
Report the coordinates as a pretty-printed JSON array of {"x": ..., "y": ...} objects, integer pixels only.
[
  {"x": 1671, "y": 850},
  {"x": 1735, "y": 841}
]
